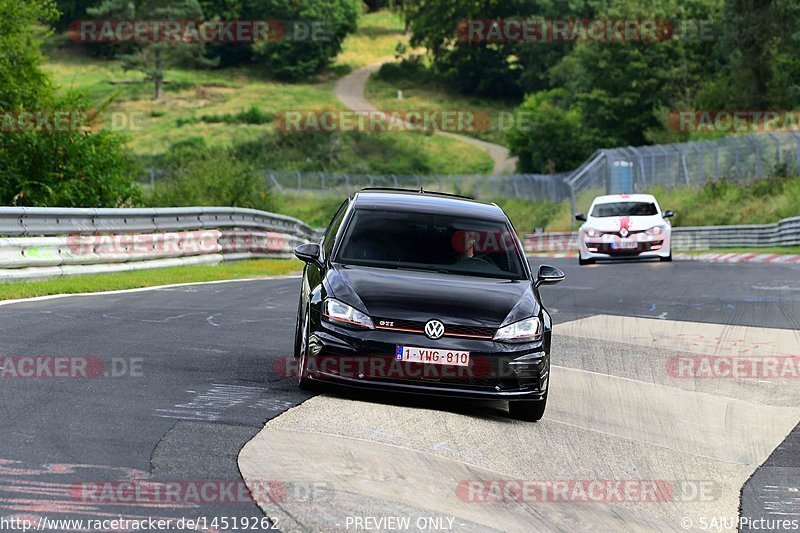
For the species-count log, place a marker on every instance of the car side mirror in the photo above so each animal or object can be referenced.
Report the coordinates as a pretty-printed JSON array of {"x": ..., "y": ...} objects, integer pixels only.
[
  {"x": 580, "y": 217},
  {"x": 668, "y": 213},
  {"x": 308, "y": 253},
  {"x": 549, "y": 275}
]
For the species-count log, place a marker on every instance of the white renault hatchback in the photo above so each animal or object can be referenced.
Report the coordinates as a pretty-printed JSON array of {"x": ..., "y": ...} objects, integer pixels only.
[{"x": 624, "y": 226}]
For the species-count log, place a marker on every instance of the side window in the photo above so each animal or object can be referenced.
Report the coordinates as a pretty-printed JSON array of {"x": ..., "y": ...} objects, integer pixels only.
[{"x": 333, "y": 228}]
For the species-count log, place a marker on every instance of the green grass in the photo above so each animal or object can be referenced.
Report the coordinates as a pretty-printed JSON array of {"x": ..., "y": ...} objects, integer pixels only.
[
  {"x": 147, "y": 278},
  {"x": 377, "y": 38},
  {"x": 421, "y": 94},
  {"x": 316, "y": 210},
  {"x": 191, "y": 96}
]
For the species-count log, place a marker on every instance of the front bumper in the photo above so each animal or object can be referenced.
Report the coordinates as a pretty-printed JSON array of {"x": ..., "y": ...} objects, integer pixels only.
[
  {"x": 366, "y": 359},
  {"x": 607, "y": 247}
]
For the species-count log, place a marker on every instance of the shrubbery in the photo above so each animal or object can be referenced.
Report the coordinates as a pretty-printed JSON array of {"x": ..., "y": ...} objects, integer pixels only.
[
  {"x": 57, "y": 168},
  {"x": 297, "y": 58}
]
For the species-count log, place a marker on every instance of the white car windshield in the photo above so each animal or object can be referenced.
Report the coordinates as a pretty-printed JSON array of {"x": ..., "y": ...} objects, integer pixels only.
[{"x": 625, "y": 209}]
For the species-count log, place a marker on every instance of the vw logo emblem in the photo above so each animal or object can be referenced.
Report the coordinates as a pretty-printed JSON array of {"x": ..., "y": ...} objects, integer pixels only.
[
  {"x": 623, "y": 232},
  {"x": 434, "y": 329}
]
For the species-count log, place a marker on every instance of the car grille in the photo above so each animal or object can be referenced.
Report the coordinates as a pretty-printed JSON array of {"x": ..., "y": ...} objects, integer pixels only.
[
  {"x": 605, "y": 248},
  {"x": 450, "y": 330}
]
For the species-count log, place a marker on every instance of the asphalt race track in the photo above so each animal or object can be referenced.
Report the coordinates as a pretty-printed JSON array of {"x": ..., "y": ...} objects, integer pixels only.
[{"x": 165, "y": 387}]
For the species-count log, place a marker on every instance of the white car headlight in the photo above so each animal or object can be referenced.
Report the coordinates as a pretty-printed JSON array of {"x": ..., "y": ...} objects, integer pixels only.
[
  {"x": 526, "y": 330},
  {"x": 594, "y": 233},
  {"x": 336, "y": 311},
  {"x": 655, "y": 230}
]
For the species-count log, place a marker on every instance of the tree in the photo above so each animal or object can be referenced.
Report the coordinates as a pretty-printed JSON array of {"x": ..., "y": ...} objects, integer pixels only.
[
  {"x": 503, "y": 69},
  {"x": 760, "y": 46},
  {"x": 300, "y": 54},
  {"x": 22, "y": 82},
  {"x": 622, "y": 87},
  {"x": 63, "y": 168},
  {"x": 151, "y": 58},
  {"x": 546, "y": 135}
]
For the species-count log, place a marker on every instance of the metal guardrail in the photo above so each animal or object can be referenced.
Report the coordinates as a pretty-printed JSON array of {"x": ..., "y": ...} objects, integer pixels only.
[
  {"x": 783, "y": 233},
  {"x": 52, "y": 242}
]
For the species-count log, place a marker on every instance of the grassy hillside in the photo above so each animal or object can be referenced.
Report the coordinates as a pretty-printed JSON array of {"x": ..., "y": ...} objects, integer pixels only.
[
  {"x": 421, "y": 92},
  {"x": 232, "y": 105}
]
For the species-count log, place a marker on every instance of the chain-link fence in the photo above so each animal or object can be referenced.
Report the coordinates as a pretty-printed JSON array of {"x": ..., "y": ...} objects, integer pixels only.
[
  {"x": 530, "y": 186},
  {"x": 628, "y": 170},
  {"x": 608, "y": 171}
]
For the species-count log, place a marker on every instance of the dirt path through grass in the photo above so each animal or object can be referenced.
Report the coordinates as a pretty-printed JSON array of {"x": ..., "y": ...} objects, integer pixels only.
[{"x": 350, "y": 91}]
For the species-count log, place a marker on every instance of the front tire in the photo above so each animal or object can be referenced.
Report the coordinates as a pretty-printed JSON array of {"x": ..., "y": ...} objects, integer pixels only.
[
  {"x": 530, "y": 411},
  {"x": 667, "y": 259},
  {"x": 582, "y": 261},
  {"x": 303, "y": 382}
]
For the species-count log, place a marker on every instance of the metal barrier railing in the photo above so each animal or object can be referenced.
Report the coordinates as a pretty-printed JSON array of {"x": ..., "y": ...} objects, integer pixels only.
[
  {"x": 51, "y": 242},
  {"x": 783, "y": 233}
]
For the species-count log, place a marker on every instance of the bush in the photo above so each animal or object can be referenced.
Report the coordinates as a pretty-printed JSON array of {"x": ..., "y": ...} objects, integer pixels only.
[
  {"x": 546, "y": 137},
  {"x": 411, "y": 68},
  {"x": 66, "y": 168},
  {"x": 254, "y": 115},
  {"x": 62, "y": 168},
  {"x": 196, "y": 175},
  {"x": 295, "y": 59}
]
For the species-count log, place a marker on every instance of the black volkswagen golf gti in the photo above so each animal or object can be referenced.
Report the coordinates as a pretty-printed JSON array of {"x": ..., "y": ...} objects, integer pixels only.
[{"x": 425, "y": 293}]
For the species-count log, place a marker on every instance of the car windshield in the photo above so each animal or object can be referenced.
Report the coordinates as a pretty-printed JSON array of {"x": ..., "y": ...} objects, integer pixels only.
[
  {"x": 431, "y": 242},
  {"x": 625, "y": 209}
]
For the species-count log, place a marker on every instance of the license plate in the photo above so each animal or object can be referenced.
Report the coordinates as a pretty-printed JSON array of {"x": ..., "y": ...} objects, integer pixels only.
[
  {"x": 433, "y": 356},
  {"x": 624, "y": 244}
]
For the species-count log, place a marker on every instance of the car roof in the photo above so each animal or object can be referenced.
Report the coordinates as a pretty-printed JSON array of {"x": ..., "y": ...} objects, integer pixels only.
[
  {"x": 426, "y": 202},
  {"x": 608, "y": 198}
]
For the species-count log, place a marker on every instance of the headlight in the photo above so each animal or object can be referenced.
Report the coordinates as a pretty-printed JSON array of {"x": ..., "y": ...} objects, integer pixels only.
[
  {"x": 655, "y": 230},
  {"x": 594, "y": 233},
  {"x": 526, "y": 330},
  {"x": 337, "y": 311}
]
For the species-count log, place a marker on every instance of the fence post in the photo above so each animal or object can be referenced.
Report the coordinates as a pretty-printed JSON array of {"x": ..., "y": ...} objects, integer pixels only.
[
  {"x": 699, "y": 149},
  {"x": 571, "y": 205},
  {"x": 797, "y": 155}
]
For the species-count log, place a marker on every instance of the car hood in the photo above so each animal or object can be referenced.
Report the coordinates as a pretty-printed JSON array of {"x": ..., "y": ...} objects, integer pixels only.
[
  {"x": 631, "y": 223},
  {"x": 420, "y": 296}
]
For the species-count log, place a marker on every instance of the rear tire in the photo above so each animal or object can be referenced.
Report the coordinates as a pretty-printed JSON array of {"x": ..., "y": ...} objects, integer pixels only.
[
  {"x": 667, "y": 259},
  {"x": 530, "y": 411}
]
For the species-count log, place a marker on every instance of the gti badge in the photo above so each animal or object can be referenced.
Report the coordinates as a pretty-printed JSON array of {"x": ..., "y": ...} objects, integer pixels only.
[{"x": 434, "y": 329}]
